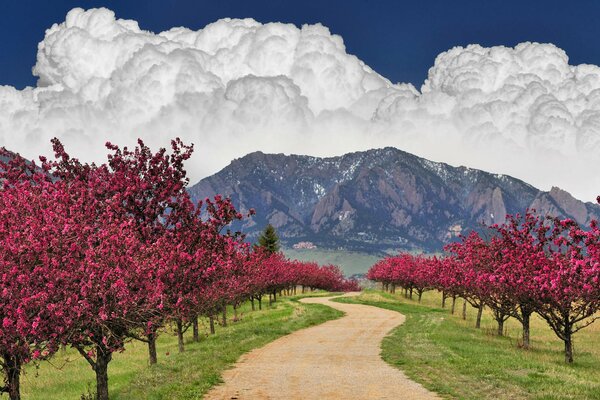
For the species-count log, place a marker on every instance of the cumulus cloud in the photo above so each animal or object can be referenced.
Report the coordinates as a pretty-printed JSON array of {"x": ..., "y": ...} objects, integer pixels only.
[{"x": 237, "y": 86}]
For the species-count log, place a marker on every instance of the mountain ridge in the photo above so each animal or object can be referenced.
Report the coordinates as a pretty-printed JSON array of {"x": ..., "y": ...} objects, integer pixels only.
[{"x": 377, "y": 200}]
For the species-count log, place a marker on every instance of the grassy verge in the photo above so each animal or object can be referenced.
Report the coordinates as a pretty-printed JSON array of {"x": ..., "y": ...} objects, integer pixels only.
[
  {"x": 447, "y": 355},
  {"x": 185, "y": 375}
]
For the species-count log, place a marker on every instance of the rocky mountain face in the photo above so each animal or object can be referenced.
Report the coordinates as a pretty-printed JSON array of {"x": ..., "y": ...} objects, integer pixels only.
[{"x": 377, "y": 200}]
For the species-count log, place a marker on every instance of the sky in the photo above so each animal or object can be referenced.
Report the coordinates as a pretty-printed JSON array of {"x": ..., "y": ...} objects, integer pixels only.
[
  {"x": 399, "y": 39},
  {"x": 510, "y": 87}
]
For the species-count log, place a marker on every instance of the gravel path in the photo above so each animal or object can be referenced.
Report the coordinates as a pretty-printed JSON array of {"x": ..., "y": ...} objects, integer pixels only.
[{"x": 338, "y": 359}]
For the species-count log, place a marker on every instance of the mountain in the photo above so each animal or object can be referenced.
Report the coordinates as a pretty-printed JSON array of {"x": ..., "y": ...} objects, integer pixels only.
[{"x": 377, "y": 200}]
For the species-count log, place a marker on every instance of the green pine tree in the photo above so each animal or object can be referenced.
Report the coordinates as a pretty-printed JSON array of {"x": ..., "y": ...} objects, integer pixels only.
[{"x": 269, "y": 240}]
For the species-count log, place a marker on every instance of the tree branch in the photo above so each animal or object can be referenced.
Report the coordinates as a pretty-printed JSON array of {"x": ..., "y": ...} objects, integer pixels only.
[
  {"x": 137, "y": 337},
  {"x": 85, "y": 355},
  {"x": 577, "y": 328}
]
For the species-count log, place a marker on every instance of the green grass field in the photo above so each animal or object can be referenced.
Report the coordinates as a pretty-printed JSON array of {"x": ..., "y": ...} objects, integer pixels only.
[
  {"x": 185, "y": 375},
  {"x": 449, "y": 356},
  {"x": 350, "y": 262}
]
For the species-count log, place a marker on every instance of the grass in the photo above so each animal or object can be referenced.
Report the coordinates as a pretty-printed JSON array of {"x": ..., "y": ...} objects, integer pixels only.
[
  {"x": 185, "y": 375},
  {"x": 449, "y": 356}
]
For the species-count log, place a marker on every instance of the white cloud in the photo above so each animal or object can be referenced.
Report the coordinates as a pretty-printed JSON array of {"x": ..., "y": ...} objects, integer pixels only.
[{"x": 237, "y": 86}]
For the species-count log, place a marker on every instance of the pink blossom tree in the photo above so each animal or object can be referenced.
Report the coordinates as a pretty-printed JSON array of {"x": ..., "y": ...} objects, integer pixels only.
[
  {"x": 31, "y": 323},
  {"x": 568, "y": 284}
]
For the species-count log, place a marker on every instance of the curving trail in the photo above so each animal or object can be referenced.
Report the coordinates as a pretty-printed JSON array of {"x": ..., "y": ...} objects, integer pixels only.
[{"x": 338, "y": 359}]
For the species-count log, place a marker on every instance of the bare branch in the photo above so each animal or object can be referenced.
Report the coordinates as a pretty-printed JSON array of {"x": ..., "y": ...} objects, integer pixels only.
[
  {"x": 87, "y": 357},
  {"x": 586, "y": 324}
]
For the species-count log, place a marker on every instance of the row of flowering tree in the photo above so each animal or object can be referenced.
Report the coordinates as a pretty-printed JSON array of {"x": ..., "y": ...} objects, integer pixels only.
[
  {"x": 529, "y": 264},
  {"x": 93, "y": 256}
]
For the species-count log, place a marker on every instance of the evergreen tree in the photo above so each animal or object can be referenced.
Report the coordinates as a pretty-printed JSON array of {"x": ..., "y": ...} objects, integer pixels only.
[{"x": 269, "y": 240}]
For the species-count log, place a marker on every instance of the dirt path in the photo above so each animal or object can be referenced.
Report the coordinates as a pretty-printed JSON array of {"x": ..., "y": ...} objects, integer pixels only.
[{"x": 335, "y": 360}]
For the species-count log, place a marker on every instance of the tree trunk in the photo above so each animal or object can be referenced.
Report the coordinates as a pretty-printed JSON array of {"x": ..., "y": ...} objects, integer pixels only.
[
  {"x": 260, "y": 301},
  {"x": 211, "y": 320},
  {"x": 275, "y": 297},
  {"x": 14, "y": 384},
  {"x": 411, "y": 293},
  {"x": 224, "y": 314},
  {"x": 453, "y": 304},
  {"x": 525, "y": 323},
  {"x": 501, "y": 326},
  {"x": 12, "y": 371},
  {"x": 420, "y": 295},
  {"x": 235, "y": 313},
  {"x": 103, "y": 357},
  {"x": 443, "y": 300},
  {"x": 479, "y": 313},
  {"x": 568, "y": 346},
  {"x": 152, "y": 358},
  {"x": 180, "y": 335},
  {"x": 195, "y": 329},
  {"x": 464, "y": 310},
  {"x": 252, "y": 302}
]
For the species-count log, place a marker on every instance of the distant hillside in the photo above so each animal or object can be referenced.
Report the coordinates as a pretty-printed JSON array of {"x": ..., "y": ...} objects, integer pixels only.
[{"x": 377, "y": 200}]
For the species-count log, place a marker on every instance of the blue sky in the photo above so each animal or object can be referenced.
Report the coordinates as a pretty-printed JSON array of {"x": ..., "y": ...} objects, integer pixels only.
[{"x": 398, "y": 39}]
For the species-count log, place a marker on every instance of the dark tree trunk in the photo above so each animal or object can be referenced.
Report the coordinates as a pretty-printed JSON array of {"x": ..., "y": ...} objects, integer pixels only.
[
  {"x": 479, "y": 313},
  {"x": 235, "y": 317},
  {"x": 260, "y": 301},
  {"x": 14, "y": 384},
  {"x": 195, "y": 329},
  {"x": 501, "y": 327},
  {"x": 275, "y": 297},
  {"x": 568, "y": 345},
  {"x": 252, "y": 302},
  {"x": 443, "y": 300},
  {"x": 211, "y": 320},
  {"x": 453, "y": 304},
  {"x": 103, "y": 357},
  {"x": 152, "y": 358},
  {"x": 464, "y": 310},
  {"x": 224, "y": 310},
  {"x": 12, "y": 371},
  {"x": 420, "y": 295},
  {"x": 526, "y": 317},
  {"x": 180, "y": 335},
  {"x": 411, "y": 293}
]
